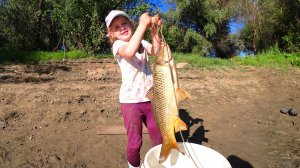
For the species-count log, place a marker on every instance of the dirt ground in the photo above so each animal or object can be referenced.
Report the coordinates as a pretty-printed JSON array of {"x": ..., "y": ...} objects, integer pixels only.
[{"x": 51, "y": 115}]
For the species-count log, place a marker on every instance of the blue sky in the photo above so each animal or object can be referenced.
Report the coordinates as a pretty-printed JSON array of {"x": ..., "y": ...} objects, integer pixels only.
[
  {"x": 160, "y": 3},
  {"x": 235, "y": 26}
]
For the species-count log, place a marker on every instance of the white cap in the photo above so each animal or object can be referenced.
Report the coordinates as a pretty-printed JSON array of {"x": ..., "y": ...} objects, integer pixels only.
[{"x": 113, "y": 14}]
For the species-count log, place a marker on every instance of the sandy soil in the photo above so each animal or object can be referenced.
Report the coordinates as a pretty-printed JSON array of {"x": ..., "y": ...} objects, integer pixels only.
[{"x": 50, "y": 114}]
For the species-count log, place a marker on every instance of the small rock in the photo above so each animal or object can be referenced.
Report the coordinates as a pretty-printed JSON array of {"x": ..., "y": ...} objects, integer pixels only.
[
  {"x": 285, "y": 110},
  {"x": 3, "y": 124},
  {"x": 293, "y": 112}
]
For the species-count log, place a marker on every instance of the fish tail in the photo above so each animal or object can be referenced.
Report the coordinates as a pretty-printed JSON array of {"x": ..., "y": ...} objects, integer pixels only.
[
  {"x": 168, "y": 145},
  {"x": 181, "y": 94},
  {"x": 166, "y": 150}
]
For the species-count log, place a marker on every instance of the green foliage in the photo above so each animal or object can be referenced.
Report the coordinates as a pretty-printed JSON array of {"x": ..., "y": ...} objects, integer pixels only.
[
  {"x": 209, "y": 19},
  {"x": 17, "y": 24},
  {"x": 199, "y": 27},
  {"x": 291, "y": 41},
  {"x": 174, "y": 37},
  {"x": 210, "y": 29},
  {"x": 270, "y": 22},
  {"x": 138, "y": 10},
  {"x": 82, "y": 23},
  {"x": 46, "y": 24},
  {"x": 196, "y": 43}
]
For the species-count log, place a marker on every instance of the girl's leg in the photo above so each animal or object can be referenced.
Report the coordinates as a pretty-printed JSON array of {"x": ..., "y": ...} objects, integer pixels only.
[
  {"x": 132, "y": 117},
  {"x": 153, "y": 130}
]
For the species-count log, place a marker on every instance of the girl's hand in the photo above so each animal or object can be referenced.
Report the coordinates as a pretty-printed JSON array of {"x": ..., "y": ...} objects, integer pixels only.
[
  {"x": 156, "y": 20},
  {"x": 145, "y": 19},
  {"x": 155, "y": 23}
]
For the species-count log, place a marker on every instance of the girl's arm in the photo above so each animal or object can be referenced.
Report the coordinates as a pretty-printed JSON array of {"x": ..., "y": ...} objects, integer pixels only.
[{"x": 128, "y": 51}]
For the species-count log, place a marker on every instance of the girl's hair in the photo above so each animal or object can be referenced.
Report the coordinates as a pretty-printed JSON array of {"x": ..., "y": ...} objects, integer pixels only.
[{"x": 113, "y": 39}]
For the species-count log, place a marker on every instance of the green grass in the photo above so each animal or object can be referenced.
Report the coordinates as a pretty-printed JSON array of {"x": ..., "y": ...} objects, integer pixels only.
[
  {"x": 202, "y": 62},
  {"x": 39, "y": 56},
  {"x": 272, "y": 59},
  {"x": 268, "y": 59}
]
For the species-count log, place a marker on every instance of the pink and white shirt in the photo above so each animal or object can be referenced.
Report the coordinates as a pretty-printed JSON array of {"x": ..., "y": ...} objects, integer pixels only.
[{"x": 136, "y": 74}]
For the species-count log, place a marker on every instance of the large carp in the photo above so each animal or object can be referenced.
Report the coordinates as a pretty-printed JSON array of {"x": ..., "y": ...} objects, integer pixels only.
[{"x": 165, "y": 96}]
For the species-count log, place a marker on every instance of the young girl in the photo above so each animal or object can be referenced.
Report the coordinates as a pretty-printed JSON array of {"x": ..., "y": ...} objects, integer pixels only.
[{"x": 131, "y": 52}]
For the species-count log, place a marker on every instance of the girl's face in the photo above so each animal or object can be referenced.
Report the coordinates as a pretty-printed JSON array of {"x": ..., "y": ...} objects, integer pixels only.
[{"x": 121, "y": 28}]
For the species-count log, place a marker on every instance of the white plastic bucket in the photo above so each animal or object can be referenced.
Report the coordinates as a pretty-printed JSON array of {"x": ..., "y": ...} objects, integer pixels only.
[{"x": 196, "y": 156}]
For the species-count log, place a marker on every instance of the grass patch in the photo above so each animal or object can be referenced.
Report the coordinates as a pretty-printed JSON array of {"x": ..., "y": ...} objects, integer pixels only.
[
  {"x": 104, "y": 56},
  {"x": 202, "y": 62},
  {"x": 39, "y": 56},
  {"x": 272, "y": 58}
]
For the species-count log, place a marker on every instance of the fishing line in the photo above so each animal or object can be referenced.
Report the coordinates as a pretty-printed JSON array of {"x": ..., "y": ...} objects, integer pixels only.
[
  {"x": 195, "y": 155},
  {"x": 189, "y": 154},
  {"x": 158, "y": 28}
]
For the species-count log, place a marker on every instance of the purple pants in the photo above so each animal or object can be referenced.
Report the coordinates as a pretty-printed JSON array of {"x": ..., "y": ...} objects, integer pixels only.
[{"x": 134, "y": 115}]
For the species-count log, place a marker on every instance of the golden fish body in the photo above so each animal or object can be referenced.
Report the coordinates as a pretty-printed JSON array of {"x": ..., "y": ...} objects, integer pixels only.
[{"x": 166, "y": 94}]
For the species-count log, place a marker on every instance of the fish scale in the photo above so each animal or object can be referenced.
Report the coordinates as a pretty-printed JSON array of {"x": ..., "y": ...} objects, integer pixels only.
[{"x": 164, "y": 99}]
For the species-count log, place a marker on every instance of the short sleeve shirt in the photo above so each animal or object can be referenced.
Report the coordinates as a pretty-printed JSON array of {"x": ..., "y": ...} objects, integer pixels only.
[{"x": 136, "y": 74}]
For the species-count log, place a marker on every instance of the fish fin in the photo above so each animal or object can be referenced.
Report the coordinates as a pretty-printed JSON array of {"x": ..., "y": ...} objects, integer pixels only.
[
  {"x": 181, "y": 94},
  {"x": 150, "y": 94},
  {"x": 166, "y": 150},
  {"x": 180, "y": 125}
]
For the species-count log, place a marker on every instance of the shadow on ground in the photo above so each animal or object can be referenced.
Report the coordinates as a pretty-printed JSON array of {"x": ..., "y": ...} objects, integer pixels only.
[
  {"x": 237, "y": 162},
  {"x": 199, "y": 134}
]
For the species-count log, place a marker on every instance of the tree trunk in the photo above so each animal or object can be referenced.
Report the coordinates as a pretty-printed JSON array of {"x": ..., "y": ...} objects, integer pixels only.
[
  {"x": 254, "y": 40},
  {"x": 38, "y": 37}
]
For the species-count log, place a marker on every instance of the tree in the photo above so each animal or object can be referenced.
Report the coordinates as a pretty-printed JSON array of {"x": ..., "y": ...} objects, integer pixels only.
[
  {"x": 17, "y": 24},
  {"x": 41, "y": 24},
  {"x": 269, "y": 23},
  {"x": 209, "y": 19},
  {"x": 46, "y": 24},
  {"x": 81, "y": 23},
  {"x": 290, "y": 28}
]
